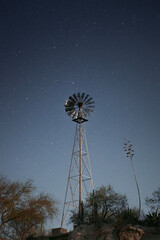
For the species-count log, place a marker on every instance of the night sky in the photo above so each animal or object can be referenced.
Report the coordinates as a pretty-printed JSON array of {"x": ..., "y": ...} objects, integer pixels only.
[{"x": 109, "y": 49}]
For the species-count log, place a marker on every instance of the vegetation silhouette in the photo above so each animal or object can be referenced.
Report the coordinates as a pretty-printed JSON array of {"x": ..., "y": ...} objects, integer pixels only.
[
  {"x": 22, "y": 213},
  {"x": 130, "y": 153}
]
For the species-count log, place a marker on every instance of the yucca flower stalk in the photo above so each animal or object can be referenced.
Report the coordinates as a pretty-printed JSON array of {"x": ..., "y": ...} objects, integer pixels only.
[{"x": 130, "y": 153}]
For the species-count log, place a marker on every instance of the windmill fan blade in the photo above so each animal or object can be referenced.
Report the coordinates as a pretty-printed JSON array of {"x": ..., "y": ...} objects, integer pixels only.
[
  {"x": 70, "y": 104},
  {"x": 89, "y": 103},
  {"x": 86, "y": 97},
  {"x": 71, "y": 112},
  {"x": 75, "y": 97},
  {"x": 69, "y": 109},
  {"x": 72, "y": 99},
  {"x": 91, "y": 109},
  {"x": 83, "y": 94},
  {"x": 89, "y": 106},
  {"x": 85, "y": 115},
  {"x": 74, "y": 114},
  {"x": 88, "y": 100},
  {"x": 88, "y": 110},
  {"x": 79, "y": 106},
  {"x": 66, "y": 103},
  {"x": 79, "y": 97}
]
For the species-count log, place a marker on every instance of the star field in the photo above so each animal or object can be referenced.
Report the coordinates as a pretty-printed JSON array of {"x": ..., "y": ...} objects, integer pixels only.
[{"x": 108, "y": 49}]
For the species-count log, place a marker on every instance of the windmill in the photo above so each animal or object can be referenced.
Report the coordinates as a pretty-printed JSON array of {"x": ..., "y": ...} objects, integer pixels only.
[{"x": 80, "y": 184}]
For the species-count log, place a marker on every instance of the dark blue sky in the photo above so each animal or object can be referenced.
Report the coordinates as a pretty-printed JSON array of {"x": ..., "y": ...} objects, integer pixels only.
[{"x": 109, "y": 49}]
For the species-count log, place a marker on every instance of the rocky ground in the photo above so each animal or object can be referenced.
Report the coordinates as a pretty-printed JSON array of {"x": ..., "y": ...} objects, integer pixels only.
[{"x": 91, "y": 232}]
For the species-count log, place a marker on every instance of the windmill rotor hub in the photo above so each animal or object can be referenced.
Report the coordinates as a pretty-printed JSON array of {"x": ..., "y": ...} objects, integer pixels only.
[{"x": 80, "y": 104}]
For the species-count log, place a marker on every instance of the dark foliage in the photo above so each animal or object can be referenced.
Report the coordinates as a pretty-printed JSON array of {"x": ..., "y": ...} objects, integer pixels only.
[
  {"x": 101, "y": 206},
  {"x": 152, "y": 219},
  {"x": 153, "y": 202},
  {"x": 21, "y": 212},
  {"x": 125, "y": 218}
]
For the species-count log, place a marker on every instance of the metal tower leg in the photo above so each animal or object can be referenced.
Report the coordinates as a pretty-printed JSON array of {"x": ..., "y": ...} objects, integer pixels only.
[{"x": 80, "y": 182}]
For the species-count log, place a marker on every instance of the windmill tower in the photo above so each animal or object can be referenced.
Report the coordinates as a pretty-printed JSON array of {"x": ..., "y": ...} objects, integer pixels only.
[{"x": 80, "y": 184}]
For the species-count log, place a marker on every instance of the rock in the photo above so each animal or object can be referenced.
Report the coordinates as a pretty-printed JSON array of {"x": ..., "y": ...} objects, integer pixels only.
[
  {"x": 91, "y": 232},
  {"x": 131, "y": 233}
]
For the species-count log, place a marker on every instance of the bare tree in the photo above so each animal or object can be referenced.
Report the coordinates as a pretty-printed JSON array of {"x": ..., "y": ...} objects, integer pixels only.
[
  {"x": 153, "y": 202},
  {"x": 10, "y": 196},
  {"x": 21, "y": 213}
]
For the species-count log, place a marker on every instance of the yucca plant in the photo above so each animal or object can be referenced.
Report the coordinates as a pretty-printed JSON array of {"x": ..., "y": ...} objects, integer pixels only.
[
  {"x": 130, "y": 153},
  {"x": 153, "y": 219}
]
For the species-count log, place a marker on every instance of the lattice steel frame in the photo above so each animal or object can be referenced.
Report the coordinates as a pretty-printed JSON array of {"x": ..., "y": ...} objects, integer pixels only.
[{"x": 80, "y": 182}]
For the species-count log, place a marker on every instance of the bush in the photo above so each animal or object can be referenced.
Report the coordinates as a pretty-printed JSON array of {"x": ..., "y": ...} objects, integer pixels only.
[
  {"x": 153, "y": 219},
  {"x": 126, "y": 217},
  {"x": 100, "y": 207}
]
